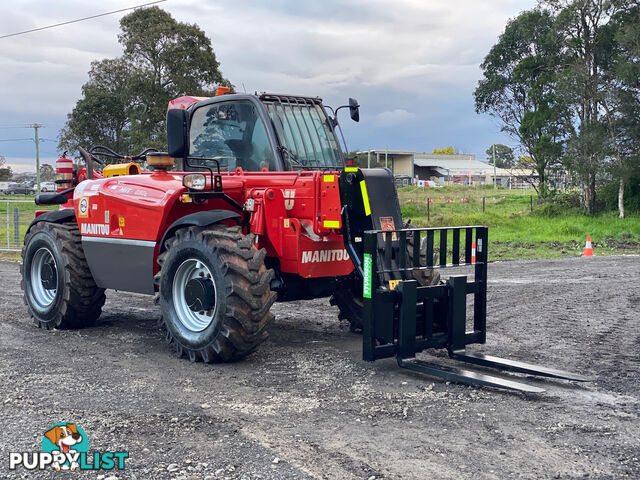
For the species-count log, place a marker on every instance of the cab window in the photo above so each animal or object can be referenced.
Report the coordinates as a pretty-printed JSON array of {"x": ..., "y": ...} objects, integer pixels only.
[{"x": 231, "y": 133}]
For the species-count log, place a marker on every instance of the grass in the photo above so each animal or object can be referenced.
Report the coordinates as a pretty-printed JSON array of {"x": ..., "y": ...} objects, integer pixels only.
[{"x": 517, "y": 230}]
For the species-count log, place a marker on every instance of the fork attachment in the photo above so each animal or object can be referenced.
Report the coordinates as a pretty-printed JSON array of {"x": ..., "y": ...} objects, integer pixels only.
[{"x": 406, "y": 308}]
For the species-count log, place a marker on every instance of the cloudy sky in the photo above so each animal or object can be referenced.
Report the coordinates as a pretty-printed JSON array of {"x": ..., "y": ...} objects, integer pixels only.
[{"x": 412, "y": 64}]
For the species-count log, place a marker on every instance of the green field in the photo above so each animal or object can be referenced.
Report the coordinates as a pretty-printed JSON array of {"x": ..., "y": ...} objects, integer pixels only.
[{"x": 516, "y": 230}]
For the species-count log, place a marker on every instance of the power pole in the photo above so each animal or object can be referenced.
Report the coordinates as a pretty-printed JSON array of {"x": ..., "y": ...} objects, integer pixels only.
[
  {"x": 36, "y": 126},
  {"x": 495, "y": 184}
]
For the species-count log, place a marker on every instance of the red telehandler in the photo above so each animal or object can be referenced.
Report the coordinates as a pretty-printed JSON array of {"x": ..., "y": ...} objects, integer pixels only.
[{"x": 253, "y": 203}]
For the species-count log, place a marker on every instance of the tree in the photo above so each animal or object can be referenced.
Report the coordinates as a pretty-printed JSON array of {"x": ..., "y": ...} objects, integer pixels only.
[
  {"x": 518, "y": 88},
  {"x": 100, "y": 117},
  {"x": 621, "y": 96},
  {"x": 47, "y": 173},
  {"x": 581, "y": 30},
  {"x": 447, "y": 150},
  {"x": 123, "y": 105},
  {"x": 504, "y": 156},
  {"x": 5, "y": 173}
]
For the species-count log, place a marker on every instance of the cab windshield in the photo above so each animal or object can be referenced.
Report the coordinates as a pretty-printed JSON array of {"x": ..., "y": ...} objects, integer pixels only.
[
  {"x": 231, "y": 133},
  {"x": 305, "y": 132}
]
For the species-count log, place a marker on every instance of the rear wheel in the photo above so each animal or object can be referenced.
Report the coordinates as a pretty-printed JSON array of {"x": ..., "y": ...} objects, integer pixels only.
[
  {"x": 214, "y": 293},
  {"x": 348, "y": 294},
  {"x": 57, "y": 283}
]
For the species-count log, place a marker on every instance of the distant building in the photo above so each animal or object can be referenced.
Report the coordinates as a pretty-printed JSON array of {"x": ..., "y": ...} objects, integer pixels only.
[{"x": 457, "y": 169}]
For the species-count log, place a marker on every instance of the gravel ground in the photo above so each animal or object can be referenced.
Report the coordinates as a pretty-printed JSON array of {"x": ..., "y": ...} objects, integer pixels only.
[{"x": 306, "y": 406}]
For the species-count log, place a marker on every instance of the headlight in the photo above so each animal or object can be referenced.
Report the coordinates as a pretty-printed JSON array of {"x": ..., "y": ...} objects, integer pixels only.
[{"x": 194, "y": 181}]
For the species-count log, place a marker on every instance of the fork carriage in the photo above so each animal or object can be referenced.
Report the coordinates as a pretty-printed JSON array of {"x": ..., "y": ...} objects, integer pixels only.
[{"x": 402, "y": 316}]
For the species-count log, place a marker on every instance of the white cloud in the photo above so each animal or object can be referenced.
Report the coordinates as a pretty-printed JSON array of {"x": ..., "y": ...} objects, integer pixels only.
[
  {"x": 393, "y": 117},
  {"x": 395, "y": 56}
]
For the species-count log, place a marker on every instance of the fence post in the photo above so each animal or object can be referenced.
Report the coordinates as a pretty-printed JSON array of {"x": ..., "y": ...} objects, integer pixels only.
[
  {"x": 531, "y": 202},
  {"x": 16, "y": 226},
  {"x": 428, "y": 210},
  {"x": 483, "y": 204},
  {"x": 8, "y": 228}
]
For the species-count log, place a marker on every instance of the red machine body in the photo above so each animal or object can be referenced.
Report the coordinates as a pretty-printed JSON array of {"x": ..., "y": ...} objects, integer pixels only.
[{"x": 295, "y": 216}]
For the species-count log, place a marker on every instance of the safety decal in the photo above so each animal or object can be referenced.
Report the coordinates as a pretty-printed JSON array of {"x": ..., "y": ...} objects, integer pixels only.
[
  {"x": 393, "y": 284},
  {"x": 83, "y": 207},
  {"x": 387, "y": 225}
]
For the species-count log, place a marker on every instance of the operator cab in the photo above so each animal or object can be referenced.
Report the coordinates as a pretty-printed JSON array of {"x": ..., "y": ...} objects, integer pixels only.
[{"x": 265, "y": 132}]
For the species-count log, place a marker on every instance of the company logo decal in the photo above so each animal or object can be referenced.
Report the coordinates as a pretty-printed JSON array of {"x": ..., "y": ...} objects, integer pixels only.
[
  {"x": 289, "y": 198},
  {"x": 319, "y": 256},
  {"x": 94, "y": 229},
  {"x": 65, "y": 447}
]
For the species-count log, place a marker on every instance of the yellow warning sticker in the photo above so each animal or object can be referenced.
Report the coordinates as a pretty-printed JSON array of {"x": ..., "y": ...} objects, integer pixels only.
[
  {"x": 286, "y": 223},
  {"x": 365, "y": 198},
  {"x": 121, "y": 222},
  {"x": 331, "y": 224},
  {"x": 393, "y": 284},
  {"x": 351, "y": 169},
  {"x": 329, "y": 178}
]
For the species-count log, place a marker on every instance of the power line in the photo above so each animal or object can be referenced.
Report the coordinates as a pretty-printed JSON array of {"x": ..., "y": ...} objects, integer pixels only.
[
  {"x": 15, "y": 139},
  {"x": 81, "y": 19}
]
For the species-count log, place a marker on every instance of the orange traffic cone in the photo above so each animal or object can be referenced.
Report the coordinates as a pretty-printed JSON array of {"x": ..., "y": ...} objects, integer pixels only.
[
  {"x": 588, "y": 249},
  {"x": 473, "y": 252}
]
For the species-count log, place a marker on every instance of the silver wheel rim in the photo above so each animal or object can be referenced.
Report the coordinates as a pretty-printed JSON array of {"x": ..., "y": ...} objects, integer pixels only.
[
  {"x": 42, "y": 297},
  {"x": 188, "y": 270}
]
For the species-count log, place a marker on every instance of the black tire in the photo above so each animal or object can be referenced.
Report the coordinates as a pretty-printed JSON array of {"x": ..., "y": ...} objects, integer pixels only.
[
  {"x": 348, "y": 294},
  {"x": 348, "y": 298},
  {"x": 76, "y": 301},
  {"x": 239, "y": 317}
]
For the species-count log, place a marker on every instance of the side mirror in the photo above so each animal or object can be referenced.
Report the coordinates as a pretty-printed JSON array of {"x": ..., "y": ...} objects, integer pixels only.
[
  {"x": 354, "y": 110},
  {"x": 177, "y": 138}
]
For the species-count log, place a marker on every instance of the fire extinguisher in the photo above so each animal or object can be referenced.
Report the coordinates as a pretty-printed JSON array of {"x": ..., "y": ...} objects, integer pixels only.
[{"x": 64, "y": 172}]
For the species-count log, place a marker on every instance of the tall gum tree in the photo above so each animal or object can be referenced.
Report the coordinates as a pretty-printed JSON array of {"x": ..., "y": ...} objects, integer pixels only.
[
  {"x": 518, "y": 88},
  {"x": 124, "y": 102}
]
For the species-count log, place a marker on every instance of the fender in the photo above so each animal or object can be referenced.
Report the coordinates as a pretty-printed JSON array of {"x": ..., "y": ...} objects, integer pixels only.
[
  {"x": 56, "y": 216},
  {"x": 199, "y": 219}
]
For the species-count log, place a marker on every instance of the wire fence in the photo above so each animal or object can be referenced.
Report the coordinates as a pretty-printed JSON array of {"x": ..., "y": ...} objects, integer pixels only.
[
  {"x": 433, "y": 205},
  {"x": 16, "y": 216}
]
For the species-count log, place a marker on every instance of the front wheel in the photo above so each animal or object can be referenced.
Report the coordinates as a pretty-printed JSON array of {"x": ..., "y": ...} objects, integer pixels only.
[{"x": 214, "y": 293}]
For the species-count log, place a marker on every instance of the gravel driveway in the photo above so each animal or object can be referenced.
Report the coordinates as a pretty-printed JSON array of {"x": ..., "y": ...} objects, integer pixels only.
[{"x": 306, "y": 405}]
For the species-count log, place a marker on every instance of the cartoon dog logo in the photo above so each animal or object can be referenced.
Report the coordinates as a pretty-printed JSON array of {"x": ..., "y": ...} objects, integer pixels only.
[{"x": 64, "y": 437}]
